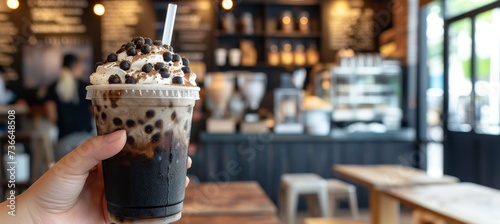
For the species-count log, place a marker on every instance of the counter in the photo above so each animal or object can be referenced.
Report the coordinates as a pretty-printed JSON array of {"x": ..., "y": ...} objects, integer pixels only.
[{"x": 264, "y": 157}]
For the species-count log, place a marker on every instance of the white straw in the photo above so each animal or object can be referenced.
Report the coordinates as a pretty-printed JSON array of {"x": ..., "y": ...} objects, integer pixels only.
[{"x": 169, "y": 23}]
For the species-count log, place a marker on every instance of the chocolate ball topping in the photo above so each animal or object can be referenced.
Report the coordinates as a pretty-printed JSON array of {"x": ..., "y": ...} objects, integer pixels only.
[
  {"x": 112, "y": 57},
  {"x": 186, "y": 70},
  {"x": 147, "y": 67},
  {"x": 131, "y": 52},
  {"x": 157, "y": 43},
  {"x": 185, "y": 61},
  {"x": 114, "y": 79},
  {"x": 148, "y": 41},
  {"x": 129, "y": 45},
  {"x": 130, "y": 80},
  {"x": 146, "y": 48},
  {"x": 168, "y": 47},
  {"x": 164, "y": 73},
  {"x": 167, "y": 56},
  {"x": 138, "y": 41},
  {"x": 159, "y": 65},
  {"x": 177, "y": 80},
  {"x": 176, "y": 58},
  {"x": 125, "y": 65}
]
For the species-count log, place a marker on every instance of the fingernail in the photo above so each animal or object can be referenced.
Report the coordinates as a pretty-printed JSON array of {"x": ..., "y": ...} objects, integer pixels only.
[{"x": 113, "y": 136}]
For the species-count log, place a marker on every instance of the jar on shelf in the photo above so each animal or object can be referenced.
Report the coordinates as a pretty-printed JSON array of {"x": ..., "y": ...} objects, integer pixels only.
[
  {"x": 228, "y": 23},
  {"x": 304, "y": 22},
  {"x": 286, "y": 21},
  {"x": 299, "y": 55},
  {"x": 273, "y": 57},
  {"x": 286, "y": 54},
  {"x": 247, "y": 23},
  {"x": 312, "y": 55}
]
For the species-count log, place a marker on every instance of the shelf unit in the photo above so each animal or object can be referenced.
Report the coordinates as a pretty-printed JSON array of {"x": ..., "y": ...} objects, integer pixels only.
[{"x": 267, "y": 30}]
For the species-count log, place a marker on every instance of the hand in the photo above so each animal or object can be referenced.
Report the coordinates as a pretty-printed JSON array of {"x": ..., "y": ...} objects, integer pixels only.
[{"x": 72, "y": 191}]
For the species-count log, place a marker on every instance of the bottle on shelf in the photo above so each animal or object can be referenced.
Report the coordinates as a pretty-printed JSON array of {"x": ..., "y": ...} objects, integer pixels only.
[
  {"x": 273, "y": 57},
  {"x": 286, "y": 21},
  {"x": 312, "y": 54},
  {"x": 249, "y": 53},
  {"x": 228, "y": 23},
  {"x": 286, "y": 54},
  {"x": 304, "y": 22},
  {"x": 247, "y": 23},
  {"x": 299, "y": 55}
]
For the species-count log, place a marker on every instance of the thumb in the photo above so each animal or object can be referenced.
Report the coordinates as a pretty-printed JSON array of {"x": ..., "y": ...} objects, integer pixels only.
[{"x": 87, "y": 155}]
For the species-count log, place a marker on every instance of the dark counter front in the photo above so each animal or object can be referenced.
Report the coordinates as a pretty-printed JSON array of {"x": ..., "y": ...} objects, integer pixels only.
[{"x": 264, "y": 157}]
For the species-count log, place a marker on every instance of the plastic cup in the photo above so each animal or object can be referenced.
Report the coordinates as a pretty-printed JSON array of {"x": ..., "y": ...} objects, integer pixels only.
[{"x": 144, "y": 183}]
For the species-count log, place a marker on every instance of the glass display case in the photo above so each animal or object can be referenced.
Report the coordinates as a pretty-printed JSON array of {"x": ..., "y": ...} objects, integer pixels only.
[{"x": 367, "y": 89}]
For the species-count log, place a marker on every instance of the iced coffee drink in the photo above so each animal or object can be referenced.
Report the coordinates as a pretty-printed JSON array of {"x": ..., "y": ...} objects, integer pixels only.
[{"x": 149, "y": 91}]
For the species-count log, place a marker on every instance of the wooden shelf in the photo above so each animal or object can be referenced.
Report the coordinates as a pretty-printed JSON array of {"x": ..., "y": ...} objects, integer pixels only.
[
  {"x": 238, "y": 35},
  {"x": 296, "y": 34},
  {"x": 261, "y": 65}
]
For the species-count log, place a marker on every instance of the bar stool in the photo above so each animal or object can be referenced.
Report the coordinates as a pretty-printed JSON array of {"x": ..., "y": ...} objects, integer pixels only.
[
  {"x": 293, "y": 185},
  {"x": 339, "y": 190}
]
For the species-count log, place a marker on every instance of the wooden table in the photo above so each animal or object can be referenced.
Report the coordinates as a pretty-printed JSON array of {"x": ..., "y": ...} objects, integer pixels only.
[
  {"x": 454, "y": 203},
  {"x": 383, "y": 209},
  {"x": 227, "y": 202}
]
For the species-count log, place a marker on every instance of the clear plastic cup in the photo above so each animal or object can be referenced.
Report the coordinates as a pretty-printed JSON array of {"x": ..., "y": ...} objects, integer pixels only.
[{"x": 145, "y": 182}]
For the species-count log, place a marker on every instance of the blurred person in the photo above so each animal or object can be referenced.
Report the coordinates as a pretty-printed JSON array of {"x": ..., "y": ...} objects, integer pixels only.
[
  {"x": 67, "y": 107},
  {"x": 5, "y": 94}
]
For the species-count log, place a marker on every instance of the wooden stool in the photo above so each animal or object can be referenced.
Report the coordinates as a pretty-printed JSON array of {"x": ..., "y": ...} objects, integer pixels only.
[
  {"x": 293, "y": 185},
  {"x": 329, "y": 221},
  {"x": 339, "y": 190}
]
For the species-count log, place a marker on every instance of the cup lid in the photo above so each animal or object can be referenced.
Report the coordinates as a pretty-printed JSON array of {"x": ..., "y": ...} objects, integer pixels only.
[{"x": 143, "y": 91}]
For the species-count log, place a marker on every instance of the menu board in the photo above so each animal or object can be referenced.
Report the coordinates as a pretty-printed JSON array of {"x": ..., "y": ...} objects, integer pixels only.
[
  {"x": 57, "y": 17},
  {"x": 192, "y": 29},
  {"x": 118, "y": 23},
  {"x": 349, "y": 25},
  {"x": 8, "y": 37}
]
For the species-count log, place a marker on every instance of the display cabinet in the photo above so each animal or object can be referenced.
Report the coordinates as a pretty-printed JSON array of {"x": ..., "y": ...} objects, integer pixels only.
[{"x": 367, "y": 92}]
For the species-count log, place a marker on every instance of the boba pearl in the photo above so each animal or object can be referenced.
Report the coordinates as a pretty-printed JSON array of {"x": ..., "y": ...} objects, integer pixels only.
[
  {"x": 186, "y": 70},
  {"x": 114, "y": 79},
  {"x": 185, "y": 61},
  {"x": 157, "y": 43},
  {"x": 146, "y": 48},
  {"x": 138, "y": 41},
  {"x": 129, "y": 45},
  {"x": 176, "y": 58},
  {"x": 148, "y": 129},
  {"x": 147, "y": 68},
  {"x": 117, "y": 121},
  {"x": 112, "y": 57},
  {"x": 168, "y": 47},
  {"x": 177, "y": 80},
  {"x": 148, "y": 41},
  {"x": 159, "y": 65},
  {"x": 167, "y": 56},
  {"x": 125, "y": 65},
  {"x": 150, "y": 113},
  {"x": 130, "y": 123},
  {"x": 164, "y": 73},
  {"x": 130, "y": 80},
  {"x": 131, "y": 52}
]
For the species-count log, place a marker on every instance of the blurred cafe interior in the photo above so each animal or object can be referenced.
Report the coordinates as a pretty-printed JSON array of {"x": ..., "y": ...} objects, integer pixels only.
[{"x": 311, "y": 111}]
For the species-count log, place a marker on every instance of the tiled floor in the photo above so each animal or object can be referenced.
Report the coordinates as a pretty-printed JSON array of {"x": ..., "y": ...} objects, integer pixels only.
[{"x": 405, "y": 216}]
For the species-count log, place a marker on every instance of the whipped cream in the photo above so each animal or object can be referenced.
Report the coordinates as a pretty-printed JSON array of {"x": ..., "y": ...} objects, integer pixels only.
[{"x": 135, "y": 73}]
